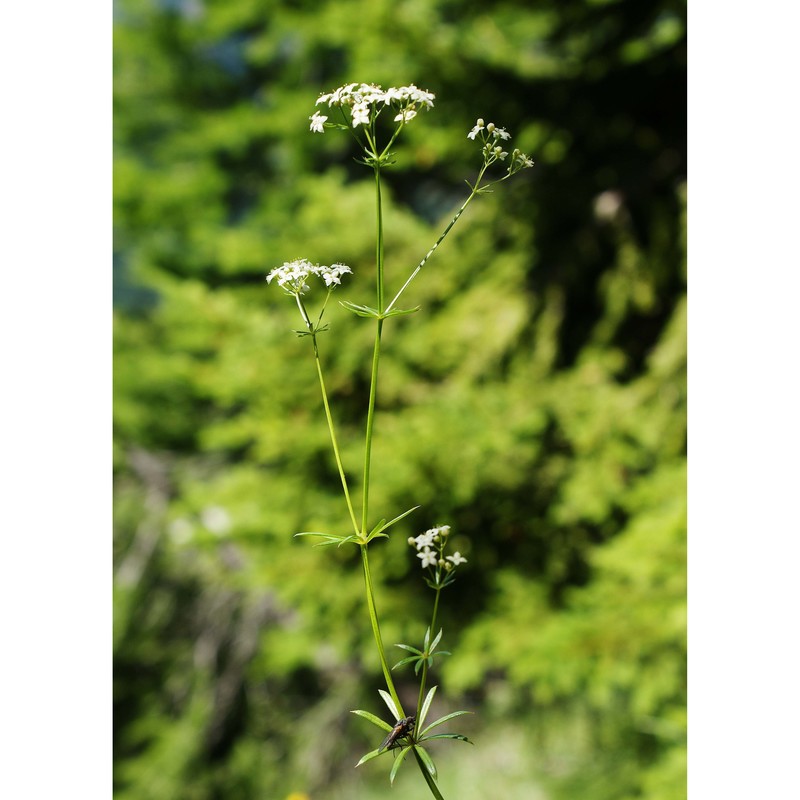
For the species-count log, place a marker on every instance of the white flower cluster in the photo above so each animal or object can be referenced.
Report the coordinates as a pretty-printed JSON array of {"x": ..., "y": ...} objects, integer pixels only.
[
  {"x": 293, "y": 275},
  {"x": 493, "y": 150},
  {"x": 430, "y": 548},
  {"x": 366, "y": 99}
]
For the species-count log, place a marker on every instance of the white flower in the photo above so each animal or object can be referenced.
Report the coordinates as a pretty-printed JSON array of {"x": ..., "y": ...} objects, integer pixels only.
[
  {"x": 360, "y": 114},
  {"x": 318, "y": 122},
  {"x": 406, "y": 115},
  {"x": 425, "y": 539},
  {"x": 333, "y": 273},
  {"x": 409, "y": 95},
  {"x": 293, "y": 275},
  {"x": 364, "y": 98},
  {"x": 457, "y": 559},
  {"x": 428, "y": 557},
  {"x": 523, "y": 160},
  {"x": 476, "y": 130},
  {"x": 501, "y": 133}
]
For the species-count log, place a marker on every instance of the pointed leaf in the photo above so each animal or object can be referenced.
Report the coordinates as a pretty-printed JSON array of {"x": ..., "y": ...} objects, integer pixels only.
[
  {"x": 384, "y": 525},
  {"x": 330, "y": 538},
  {"x": 369, "y": 756},
  {"x": 418, "y": 666},
  {"x": 427, "y": 638},
  {"x": 447, "y": 736},
  {"x": 444, "y": 719},
  {"x": 427, "y": 760},
  {"x": 426, "y": 705},
  {"x": 405, "y": 661},
  {"x": 436, "y": 640},
  {"x": 409, "y": 648},
  {"x": 397, "y": 762},
  {"x": 397, "y": 312},
  {"x": 387, "y": 698},
  {"x": 362, "y": 311},
  {"x": 381, "y": 723}
]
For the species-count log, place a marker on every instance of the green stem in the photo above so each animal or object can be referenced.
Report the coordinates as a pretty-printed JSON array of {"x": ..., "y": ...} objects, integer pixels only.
[
  {"x": 475, "y": 190},
  {"x": 431, "y": 637},
  {"x": 335, "y": 444},
  {"x": 376, "y": 629},
  {"x": 376, "y": 356},
  {"x": 373, "y": 391},
  {"x": 379, "y": 242},
  {"x": 428, "y": 777}
]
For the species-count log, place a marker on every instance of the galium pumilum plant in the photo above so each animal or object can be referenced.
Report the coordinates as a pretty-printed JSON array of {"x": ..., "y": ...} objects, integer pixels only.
[{"x": 357, "y": 108}]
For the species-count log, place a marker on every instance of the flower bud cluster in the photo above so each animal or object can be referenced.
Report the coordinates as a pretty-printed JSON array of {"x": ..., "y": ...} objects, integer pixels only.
[
  {"x": 430, "y": 548},
  {"x": 366, "y": 100},
  {"x": 492, "y": 150},
  {"x": 293, "y": 275}
]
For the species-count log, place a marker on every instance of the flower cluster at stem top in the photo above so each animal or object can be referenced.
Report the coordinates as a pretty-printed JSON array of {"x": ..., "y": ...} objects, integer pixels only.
[
  {"x": 292, "y": 276},
  {"x": 365, "y": 102},
  {"x": 491, "y": 136},
  {"x": 430, "y": 548}
]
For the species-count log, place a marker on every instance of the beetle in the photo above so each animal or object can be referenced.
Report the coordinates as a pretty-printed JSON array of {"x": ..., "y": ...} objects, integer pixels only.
[{"x": 401, "y": 728}]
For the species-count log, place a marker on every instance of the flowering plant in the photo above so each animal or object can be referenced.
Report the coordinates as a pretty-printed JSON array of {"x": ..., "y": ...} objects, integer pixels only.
[{"x": 356, "y": 108}]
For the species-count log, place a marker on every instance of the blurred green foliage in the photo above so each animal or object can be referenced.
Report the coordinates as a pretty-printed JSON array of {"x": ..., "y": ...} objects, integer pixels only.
[{"x": 536, "y": 403}]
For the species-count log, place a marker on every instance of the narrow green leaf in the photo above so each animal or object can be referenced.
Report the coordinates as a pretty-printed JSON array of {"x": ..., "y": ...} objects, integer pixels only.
[
  {"x": 447, "y": 736},
  {"x": 397, "y": 762},
  {"x": 387, "y": 698},
  {"x": 405, "y": 661},
  {"x": 362, "y": 311},
  {"x": 426, "y": 639},
  {"x": 426, "y": 705},
  {"x": 331, "y": 538},
  {"x": 418, "y": 666},
  {"x": 381, "y": 723},
  {"x": 444, "y": 719},
  {"x": 427, "y": 760},
  {"x": 410, "y": 648},
  {"x": 397, "y": 312},
  {"x": 369, "y": 756},
  {"x": 436, "y": 640},
  {"x": 384, "y": 525}
]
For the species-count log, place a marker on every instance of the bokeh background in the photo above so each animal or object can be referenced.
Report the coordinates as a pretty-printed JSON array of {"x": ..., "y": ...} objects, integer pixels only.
[{"x": 536, "y": 402}]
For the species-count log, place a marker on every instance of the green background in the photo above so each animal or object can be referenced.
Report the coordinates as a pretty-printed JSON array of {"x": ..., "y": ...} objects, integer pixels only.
[{"x": 536, "y": 402}]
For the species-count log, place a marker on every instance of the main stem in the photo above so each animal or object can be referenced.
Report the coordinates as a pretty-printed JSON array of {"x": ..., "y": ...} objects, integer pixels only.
[
  {"x": 373, "y": 392},
  {"x": 376, "y": 355},
  {"x": 428, "y": 777},
  {"x": 376, "y": 629}
]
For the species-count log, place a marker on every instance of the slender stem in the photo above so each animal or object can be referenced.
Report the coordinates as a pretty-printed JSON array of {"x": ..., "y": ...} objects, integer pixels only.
[
  {"x": 373, "y": 391},
  {"x": 428, "y": 777},
  {"x": 431, "y": 637},
  {"x": 376, "y": 356},
  {"x": 379, "y": 238},
  {"x": 376, "y": 629},
  {"x": 475, "y": 190},
  {"x": 332, "y": 430}
]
